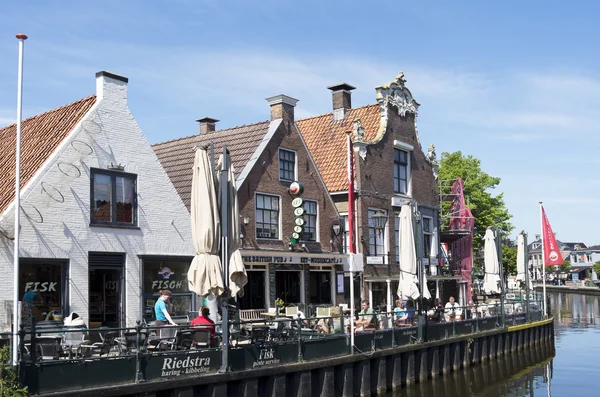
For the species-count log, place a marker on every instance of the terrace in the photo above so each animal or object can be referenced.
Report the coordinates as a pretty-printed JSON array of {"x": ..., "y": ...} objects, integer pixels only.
[{"x": 56, "y": 359}]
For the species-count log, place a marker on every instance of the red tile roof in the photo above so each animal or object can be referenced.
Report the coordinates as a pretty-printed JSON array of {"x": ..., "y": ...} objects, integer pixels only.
[
  {"x": 326, "y": 140},
  {"x": 177, "y": 156},
  {"x": 40, "y": 136}
]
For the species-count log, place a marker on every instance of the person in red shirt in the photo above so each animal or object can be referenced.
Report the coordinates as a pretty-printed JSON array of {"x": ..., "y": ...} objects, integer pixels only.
[{"x": 206, "y": 323}]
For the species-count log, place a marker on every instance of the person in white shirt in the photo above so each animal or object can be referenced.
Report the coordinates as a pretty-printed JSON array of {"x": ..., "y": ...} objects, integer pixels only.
[{"x": 453, "y": 310}]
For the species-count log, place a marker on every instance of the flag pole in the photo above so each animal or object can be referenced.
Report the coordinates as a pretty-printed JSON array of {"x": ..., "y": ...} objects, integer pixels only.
[
  {"x": 543, "y": 262},
  {"x": 351, "y": 246},
  {"x": 225, "y": 226},
  {"x": 15, "y": 341}
]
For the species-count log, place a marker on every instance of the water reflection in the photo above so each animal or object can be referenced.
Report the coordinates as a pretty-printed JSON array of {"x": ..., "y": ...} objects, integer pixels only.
[
  {"x": 567, "y": 370},
  {"x": 514, "y": 375}
]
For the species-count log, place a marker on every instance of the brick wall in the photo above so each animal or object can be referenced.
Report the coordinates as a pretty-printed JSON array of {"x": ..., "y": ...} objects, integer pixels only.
[{"x": 264, "y": 178}]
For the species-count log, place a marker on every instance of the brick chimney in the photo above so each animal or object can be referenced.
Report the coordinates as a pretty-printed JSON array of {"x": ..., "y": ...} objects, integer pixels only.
[
  {"x": 281, "y": 104},
  {"x": 342, "y": 99},
  {"x": 207, "y": 125}
]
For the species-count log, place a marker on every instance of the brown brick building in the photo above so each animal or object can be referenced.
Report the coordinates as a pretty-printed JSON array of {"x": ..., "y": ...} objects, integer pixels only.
[
  {"x": 391, "y": 169},
  {"x": 267, "y": 158}
]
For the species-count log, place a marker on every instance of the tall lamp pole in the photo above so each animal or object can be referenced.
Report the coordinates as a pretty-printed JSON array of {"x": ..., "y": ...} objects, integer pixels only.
[{"x": 15, "y": 342}]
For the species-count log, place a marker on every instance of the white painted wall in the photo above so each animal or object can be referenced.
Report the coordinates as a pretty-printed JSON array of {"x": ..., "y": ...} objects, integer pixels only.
[{"x": 112, "y": 133}]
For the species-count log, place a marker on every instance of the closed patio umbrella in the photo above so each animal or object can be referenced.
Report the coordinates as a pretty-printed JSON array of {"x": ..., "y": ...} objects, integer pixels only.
[
  {"x": 205, "y": 275},
  {"x": 521, "y": 261},
  {"x": 490, "y": 259},
  {"x": 237, "y": 271},
  {"x": 408, "y": 283}
]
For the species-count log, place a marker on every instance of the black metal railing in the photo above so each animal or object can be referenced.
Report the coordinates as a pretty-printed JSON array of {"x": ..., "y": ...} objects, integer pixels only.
[{"x": 111, "y": 356}]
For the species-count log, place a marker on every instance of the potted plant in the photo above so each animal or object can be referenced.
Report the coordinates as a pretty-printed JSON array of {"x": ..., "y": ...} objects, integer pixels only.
[{"x": 280, "y": 305}]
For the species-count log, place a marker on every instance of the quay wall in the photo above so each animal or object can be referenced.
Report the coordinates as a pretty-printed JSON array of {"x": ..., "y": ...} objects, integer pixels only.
[
  {"x": 570, "y": 289},
  {"x": 369, "y": 372}
]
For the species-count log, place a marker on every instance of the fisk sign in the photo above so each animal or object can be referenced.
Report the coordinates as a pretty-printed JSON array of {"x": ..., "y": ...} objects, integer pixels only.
[{"x": 47, "y": 286}]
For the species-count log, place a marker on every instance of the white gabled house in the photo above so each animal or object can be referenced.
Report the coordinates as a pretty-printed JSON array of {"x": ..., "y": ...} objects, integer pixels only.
[{"x": 102, "y": 227}]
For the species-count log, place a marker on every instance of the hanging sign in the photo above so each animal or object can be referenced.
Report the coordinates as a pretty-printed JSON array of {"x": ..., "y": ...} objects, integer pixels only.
[{"x": 296, "y": 188}]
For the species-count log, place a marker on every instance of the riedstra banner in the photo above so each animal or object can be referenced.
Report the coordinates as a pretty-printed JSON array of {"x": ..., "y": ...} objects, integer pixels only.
[
  {"x": 552, "y": 255},
  {"x": 174, "y": 365}
]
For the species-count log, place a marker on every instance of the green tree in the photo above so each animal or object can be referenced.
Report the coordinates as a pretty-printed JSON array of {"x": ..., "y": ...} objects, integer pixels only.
[
  {"x": 566, "y": 266},
  {"x": 509, "y": 258},
  {"x": 488, "y": 210},
  {"x": 597, "y": 268}
]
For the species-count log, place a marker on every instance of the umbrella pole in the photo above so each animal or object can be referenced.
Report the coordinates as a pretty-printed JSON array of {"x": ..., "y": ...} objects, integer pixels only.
[
  {"x": 526, "y": 262},
  {"x": 224, "y": 190},
  {"x": 501, "y": 272}
]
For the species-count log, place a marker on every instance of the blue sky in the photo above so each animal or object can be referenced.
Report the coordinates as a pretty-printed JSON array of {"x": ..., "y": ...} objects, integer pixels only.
[{"x": 512, "y": 83}]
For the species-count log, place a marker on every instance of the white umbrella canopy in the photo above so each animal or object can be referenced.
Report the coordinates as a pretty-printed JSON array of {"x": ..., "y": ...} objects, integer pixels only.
[
  {"x": 237, "y": 271},
  {"x": 408, "y": 283},
  {"x": 490, "y": 259},
  {"x": 521, "y": 261},
  {"x": 205, "y": 274}
]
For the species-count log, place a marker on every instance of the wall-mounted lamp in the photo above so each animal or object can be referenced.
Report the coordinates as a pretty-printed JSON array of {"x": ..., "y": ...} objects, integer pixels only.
[
  {"x": 245, "y": 219},
  {"x": 336, "y": 228},
  {"x": 380, "y": 219}
]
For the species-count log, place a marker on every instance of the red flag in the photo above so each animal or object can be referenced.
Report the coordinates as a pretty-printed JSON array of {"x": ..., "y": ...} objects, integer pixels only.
[{"x": 552, "y": 256}]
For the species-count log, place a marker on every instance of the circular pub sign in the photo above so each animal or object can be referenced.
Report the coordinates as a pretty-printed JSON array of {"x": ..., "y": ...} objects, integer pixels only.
[{"x": 296, "y": 188}]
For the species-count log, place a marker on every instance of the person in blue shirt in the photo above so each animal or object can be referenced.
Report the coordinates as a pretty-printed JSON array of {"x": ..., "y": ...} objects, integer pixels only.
[
  {"x": 409, "y": 316},
  {"x": 160, "y": 309}
]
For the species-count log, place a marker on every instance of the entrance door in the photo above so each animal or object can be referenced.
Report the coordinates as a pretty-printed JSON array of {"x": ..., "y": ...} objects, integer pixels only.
[
  {"x": 106, "y": 291},
  {"x": 287, "y": 286}
]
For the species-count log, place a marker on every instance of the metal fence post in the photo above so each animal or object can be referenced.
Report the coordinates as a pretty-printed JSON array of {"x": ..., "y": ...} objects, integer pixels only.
[{"x": 139, "y": 376}]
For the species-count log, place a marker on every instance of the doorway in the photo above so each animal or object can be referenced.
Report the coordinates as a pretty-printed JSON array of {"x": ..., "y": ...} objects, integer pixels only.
[
  {"x": 287, "y": 286},
  {"x": 106, "y": 289}
]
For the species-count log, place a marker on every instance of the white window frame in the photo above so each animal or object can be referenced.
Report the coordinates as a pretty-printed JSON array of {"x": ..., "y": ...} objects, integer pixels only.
[
  {"x": 385, "y": 235},
  {"x": 397, "y": 236},
  {"x": 317, "y": 239},
  {"x": 405, "y": 147},
  {"x": 279, "y": 217},
  {"x": 431, "y": 233},
  {"x": 295, "y": 164}
]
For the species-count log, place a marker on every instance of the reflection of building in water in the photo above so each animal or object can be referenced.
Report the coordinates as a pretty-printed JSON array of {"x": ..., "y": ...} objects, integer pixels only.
[{"x": 574, "y": 311}]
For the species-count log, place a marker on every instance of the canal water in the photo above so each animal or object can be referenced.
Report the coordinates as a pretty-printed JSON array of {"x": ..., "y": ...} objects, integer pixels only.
[{"x": 570, "y": 370}]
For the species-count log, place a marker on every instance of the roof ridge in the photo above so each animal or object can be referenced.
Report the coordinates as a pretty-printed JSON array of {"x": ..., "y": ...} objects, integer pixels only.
[
  {"x": 210, "y": 133},
  {"x": 330, "y": 113},
  {"x": 50, "y": 111}
]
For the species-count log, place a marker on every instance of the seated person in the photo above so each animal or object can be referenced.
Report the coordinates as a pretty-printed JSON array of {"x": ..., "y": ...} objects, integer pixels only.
[
  {"x": 366, "y": 318},
  {"x": 409, "y": 316},
  {"x": 204, "y": 322},
  {"x": 436, "y": 314},
  {"x": 399, "y": 310},
  {"x": 453, "y": 311}
]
